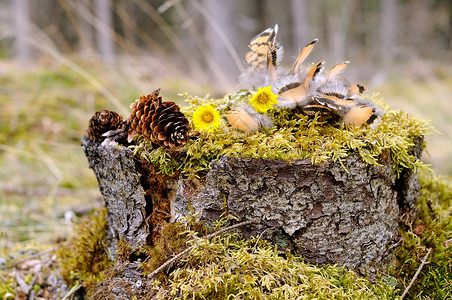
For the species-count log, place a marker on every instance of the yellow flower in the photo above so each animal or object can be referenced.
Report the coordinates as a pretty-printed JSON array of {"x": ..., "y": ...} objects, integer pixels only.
[
  {"x": 206, "y": 118},
  {"x": 264, "y": 99}
]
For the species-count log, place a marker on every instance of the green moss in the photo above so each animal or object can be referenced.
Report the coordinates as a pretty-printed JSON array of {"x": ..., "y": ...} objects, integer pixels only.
[
  {"x": 173, "y": 239},
  {"x": 294, "y": 136},
  {"x": 123, "y": 250},
  {"x": 229, "y": 267},
  {"x": 84, "y": 258},
  {"x": 429, "y": 227},
  {"x": 7, "y": 286}
]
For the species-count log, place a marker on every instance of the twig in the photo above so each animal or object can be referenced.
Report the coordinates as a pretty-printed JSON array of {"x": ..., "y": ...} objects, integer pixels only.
[
  {"x": 32, "y": 256},
  {"x": 259, "y": 237},
  {"x": 75, "y": 288},
  {"x": 27, "y": 288},
  {"x": 394, "y": 245},
  {"x": 210, "y": 236},
  {"x": 417, "y": 273}
]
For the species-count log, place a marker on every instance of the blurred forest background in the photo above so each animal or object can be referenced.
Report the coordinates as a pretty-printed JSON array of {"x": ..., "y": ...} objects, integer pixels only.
[{"x": 61, "y": 60}]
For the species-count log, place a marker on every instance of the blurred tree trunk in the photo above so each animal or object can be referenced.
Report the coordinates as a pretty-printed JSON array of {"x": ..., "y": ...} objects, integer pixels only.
[
  {"x": 21, "y": 29},
  {"x": 300, "y": 22},
  {"x": 388, "y": 30},
  {"x": 276, "y": 12},
  {"x": 84, "y": 20},
  {"x": 131, "y": 27},
  {"x": 104, "y": 26},
  {"x": 221, "y": 14},
  {"x": 337, "y": 19}
]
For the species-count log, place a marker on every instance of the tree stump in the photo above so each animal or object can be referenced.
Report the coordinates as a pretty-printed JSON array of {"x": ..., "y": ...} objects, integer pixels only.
[{"x": 335, "y": 212}]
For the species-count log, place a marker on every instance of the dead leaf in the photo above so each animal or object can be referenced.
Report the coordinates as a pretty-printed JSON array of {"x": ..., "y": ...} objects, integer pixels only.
[
  {"x": 419, "y": 230},
  {"x": 32, "y": 264}
]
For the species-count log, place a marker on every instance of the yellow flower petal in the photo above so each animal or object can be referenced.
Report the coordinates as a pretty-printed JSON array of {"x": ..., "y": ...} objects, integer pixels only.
[
  {"x": 206, "y": 118},
  {"x": 264, "y": 99}
]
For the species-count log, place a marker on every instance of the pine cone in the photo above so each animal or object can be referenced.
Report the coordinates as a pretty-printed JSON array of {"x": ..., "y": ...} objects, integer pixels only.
[
  {"x": 101, "y": 122},
  {"x": 161, "y": 122}
]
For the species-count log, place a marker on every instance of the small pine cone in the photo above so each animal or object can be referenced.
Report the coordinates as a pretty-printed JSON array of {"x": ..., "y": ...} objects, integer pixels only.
[
  {"x": 161, "y": 122},
  {"x": 101, "y": 122}
]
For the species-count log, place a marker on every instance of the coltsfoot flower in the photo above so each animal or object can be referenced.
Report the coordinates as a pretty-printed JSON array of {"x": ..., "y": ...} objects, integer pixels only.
[
  {"x": 264, "y": 99},
  {"x": 206, "y": 118}
]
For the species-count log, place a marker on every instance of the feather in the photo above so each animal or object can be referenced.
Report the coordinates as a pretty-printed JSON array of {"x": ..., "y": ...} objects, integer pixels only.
[
  {"x": 356, "y": 90},
  {"x": 336, "y": 70},
  {"x": 349, "y": 111},
  {"x": 263, "y": 60},
  {"x": 312, "y": 74},
  {"x": 359, "y": 115},
  {"x": 291, "y": 92},
  {"x": 263, "y": 50},
  {"x": 246, "y": 119},
  {"x": 302, "y": 55}
]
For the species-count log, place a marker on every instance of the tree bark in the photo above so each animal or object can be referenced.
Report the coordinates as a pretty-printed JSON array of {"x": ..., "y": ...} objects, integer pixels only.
[
  {"x": 124, "y": 196},
  {"x": 325, "y": 213}
]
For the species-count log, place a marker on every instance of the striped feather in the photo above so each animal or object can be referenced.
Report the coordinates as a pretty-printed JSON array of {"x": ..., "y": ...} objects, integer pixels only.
[{"x": 263, "y": 50}]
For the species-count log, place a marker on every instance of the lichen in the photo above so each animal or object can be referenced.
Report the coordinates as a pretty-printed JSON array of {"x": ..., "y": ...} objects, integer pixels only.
[{"x": 294, "y": 136}]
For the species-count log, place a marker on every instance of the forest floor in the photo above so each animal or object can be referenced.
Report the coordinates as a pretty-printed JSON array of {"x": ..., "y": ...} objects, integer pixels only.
[{"x": 45, "y": 182}]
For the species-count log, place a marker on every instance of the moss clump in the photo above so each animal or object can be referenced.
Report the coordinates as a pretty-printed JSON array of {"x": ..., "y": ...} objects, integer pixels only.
[
  {"x": 84, "y": 258},
  {"x": 430, "y": 226},
  {"x": 7, "y": 286},
  {"x": 294, "y": 136},
  {"x": 173, "y": 240},
  {"x": 229, "y": 267}
]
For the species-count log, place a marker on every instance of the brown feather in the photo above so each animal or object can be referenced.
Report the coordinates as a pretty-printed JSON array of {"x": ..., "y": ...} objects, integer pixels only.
[
  {"x": 246, "y": 119},
  {"x": 312, "y": 109},
  {"x": 359, "y": 115},
  {"x": 292, "y": 92},
  {"x": 337, "y": 69},
  {"x": 356, "y": 90},
  {"x": 302, "y": 55},
  {"x": 313, "y": 72},
  {"x": 242, "y": 121},
  {"x": 338, "y": 99}
]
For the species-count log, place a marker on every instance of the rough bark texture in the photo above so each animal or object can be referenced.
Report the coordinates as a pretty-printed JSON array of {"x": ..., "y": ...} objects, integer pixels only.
[
  {"x": 336, "y": 212},
  {"x": 138, "y": 200},
  {"x": 119, "y": 183},
  {"x": 323, "y": 212}
]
